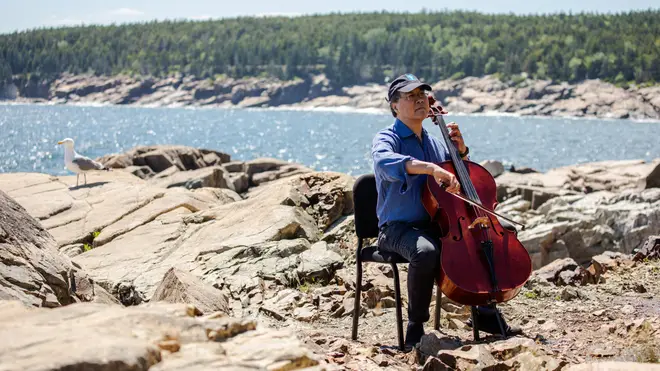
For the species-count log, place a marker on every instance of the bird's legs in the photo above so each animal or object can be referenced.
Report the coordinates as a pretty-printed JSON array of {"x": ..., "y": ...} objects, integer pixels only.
[
  {"x": 85, "y": 175},
  {"x": 77, "y": 177}
]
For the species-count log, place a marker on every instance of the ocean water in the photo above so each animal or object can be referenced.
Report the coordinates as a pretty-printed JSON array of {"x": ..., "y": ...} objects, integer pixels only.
[{"x": 323, "y": 140}]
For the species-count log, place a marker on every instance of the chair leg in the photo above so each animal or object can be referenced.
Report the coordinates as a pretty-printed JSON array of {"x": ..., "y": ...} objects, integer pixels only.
[
  {"x": 438, "y": 307},
  {"x": 397, "y": 298},
  {"x": 475, "y": 323},
  {"x": 358, "y": 292}
]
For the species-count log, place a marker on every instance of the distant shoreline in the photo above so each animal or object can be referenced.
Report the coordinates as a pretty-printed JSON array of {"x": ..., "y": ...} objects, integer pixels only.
[
  {"x": 486, "y": 95},
  {"x": 334, "y": 109}
]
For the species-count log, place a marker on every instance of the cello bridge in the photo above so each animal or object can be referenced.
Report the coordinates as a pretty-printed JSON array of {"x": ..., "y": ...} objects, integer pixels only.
[{"x": 481, "y": 221}]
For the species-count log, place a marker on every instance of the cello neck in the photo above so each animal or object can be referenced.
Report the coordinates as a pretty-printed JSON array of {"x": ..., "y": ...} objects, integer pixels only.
[{"x": 461, "y": 171}]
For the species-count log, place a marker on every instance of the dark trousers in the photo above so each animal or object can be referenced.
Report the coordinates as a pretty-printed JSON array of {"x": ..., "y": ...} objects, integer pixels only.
[{"x": 420, "y": 245}]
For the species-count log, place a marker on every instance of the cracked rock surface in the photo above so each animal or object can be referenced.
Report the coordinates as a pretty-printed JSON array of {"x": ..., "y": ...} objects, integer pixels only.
[{"x": 198, "y": 278}]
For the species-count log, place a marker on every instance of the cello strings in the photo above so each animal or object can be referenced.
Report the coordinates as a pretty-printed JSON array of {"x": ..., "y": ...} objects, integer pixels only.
[
  {"x": 471, "y": 192},
  {"x": 463, "y": 175},
  {"x": 465, "y": 181},
  {"x": 461, "y": 172}
]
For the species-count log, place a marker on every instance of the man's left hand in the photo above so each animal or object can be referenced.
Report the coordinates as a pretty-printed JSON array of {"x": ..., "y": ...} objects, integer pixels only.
[{"x": 456, "y": 136}]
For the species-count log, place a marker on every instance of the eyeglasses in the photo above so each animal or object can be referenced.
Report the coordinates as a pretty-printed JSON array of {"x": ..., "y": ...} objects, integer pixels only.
[{"x": 414, "y": 97}]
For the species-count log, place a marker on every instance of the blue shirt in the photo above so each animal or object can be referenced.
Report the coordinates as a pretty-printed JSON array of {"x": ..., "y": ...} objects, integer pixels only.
[{"x": 399, "y": 193}]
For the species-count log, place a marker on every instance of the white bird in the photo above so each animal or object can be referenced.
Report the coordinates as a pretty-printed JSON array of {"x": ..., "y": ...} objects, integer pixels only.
[{"x": 77, "y": 163}]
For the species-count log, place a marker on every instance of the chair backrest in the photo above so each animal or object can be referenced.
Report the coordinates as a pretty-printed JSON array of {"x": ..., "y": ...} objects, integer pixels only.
[{"x": 365, "y": 199}]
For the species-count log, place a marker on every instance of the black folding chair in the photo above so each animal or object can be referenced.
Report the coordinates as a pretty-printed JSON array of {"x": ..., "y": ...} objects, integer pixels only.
[{"x": 365, "y": 198}]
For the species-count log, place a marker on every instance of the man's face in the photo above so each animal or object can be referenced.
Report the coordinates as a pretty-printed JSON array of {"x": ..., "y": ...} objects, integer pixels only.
[{"x": 412, "y": 105}]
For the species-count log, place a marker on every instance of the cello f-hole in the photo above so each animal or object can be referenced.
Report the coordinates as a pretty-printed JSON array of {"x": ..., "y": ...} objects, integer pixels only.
[
  {"x": 460, "y": 229},
  {"x": 499, "y": 233}
]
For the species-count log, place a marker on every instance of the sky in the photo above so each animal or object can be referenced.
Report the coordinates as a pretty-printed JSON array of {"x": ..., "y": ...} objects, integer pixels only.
[{"x": 17, "y": 15}]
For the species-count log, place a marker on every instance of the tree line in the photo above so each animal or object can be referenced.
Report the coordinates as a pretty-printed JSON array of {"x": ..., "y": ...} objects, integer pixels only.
[{"x": 352, "y": 48}]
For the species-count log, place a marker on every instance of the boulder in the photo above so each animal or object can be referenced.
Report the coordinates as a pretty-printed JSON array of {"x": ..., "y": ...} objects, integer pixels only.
[
  {"x": 159, "y": 158},
  {"x": 264, "y": 170},
  {"x": 495, "y": 168},
  {"x": 133, "y": 92},
  {"x": 32, "y": 270},
  {"x": 552, "y": 271},
  {"x": 609, "y": 260},
  {"x": 280, "y": 304},
  {"x": 531, "y": 360},
  {"x": 650, "y": 179},
  {"x": 156, "y": 160},
  {"x": 213, "y": 177},
  {"x": 467, "y": 357},
  {"x": 182, "y": 287},
  {"x": 342, "y": 231},
  {"x": 119, "y": 161},
  {"x": 143, "y": 172},
  {"x": 513, "y": 205},
  {"x": 289, "y": 92},
  {"x": 211, "y": 159},
  {"x": 321, "y": 86},
  {"x": 158, "y": 336},
  {"x": 326, "y": 196},
  {"x": 234, "y": 167},
  {"x": 459, "y": 105},
  {"x": 539, "y": 240},
  {"x": 238, "y": 182},
  {"x": 650, "y": 250},
  {"x": 318, "y": 264},
  {"x": 434, "y": 342},
  {"x": 246, "y": 89}
]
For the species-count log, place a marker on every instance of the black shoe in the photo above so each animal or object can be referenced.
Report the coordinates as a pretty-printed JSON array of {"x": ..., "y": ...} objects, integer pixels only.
[
  {"x": 414, "y": 334},
  {"x": 487, "y": 320}
]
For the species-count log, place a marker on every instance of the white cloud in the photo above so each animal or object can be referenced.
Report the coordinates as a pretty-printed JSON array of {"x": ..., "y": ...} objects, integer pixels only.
[{"x": 127, "y": 12}]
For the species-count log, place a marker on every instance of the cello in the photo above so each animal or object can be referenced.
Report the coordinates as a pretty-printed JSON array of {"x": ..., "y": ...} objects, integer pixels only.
[{"x": 481, "y": 262}]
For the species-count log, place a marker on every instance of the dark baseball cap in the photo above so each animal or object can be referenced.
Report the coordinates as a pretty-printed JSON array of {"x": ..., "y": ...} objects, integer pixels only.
[{"x": 406, "y": 83}]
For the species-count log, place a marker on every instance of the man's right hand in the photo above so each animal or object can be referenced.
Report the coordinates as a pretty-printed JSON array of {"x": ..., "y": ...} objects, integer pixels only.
[{"x": 443, "y": 176}]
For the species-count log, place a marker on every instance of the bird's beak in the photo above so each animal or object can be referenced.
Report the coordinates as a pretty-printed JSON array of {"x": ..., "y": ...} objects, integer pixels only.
[{"x": 60, "y": 142}]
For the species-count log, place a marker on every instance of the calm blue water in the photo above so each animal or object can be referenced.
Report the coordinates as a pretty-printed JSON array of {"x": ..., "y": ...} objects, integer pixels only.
[{"x": 320, "y": 140}]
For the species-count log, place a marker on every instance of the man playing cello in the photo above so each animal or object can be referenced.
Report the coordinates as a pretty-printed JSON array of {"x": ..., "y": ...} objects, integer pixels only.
[{"x": 404, "y": 154}]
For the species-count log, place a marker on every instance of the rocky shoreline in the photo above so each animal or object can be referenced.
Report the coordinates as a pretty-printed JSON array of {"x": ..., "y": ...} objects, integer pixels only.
[
  {"x": 470, "y": 95},
  {"x": 180, "y": 258}
]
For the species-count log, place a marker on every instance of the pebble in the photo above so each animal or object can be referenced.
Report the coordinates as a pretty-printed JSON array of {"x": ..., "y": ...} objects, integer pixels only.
[{"x": 628, "y": 309}]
